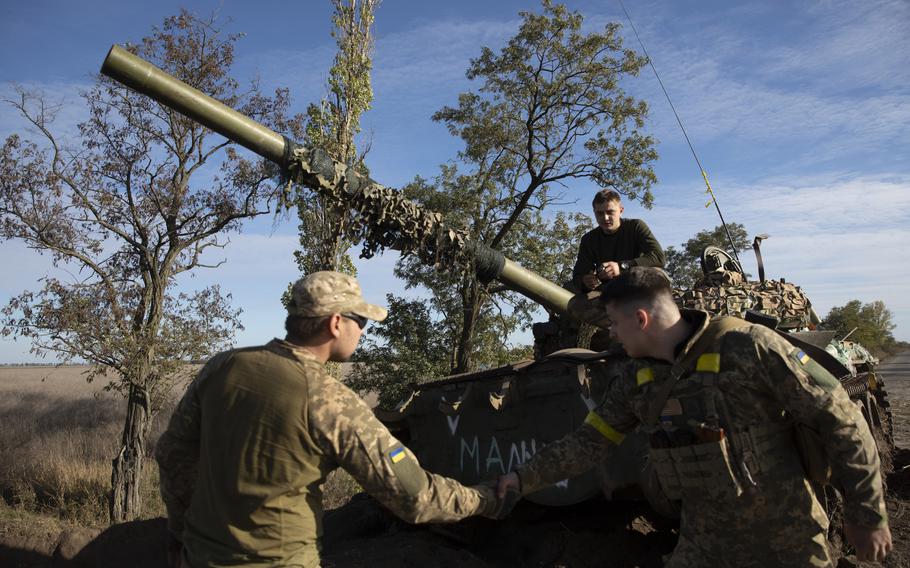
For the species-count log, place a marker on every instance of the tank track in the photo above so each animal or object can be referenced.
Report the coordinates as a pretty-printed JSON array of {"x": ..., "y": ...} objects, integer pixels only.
[
  {"x": 883, "y": 425},
  {"x": 868, "y": 388}
]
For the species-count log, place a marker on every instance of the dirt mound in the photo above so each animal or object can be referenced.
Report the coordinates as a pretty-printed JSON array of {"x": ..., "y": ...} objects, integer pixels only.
[
  {"x": 361, "y": 534},
  {"x": 590, "y": 534}
]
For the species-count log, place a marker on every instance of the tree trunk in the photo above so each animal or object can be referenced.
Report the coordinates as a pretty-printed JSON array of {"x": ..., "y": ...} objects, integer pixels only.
[
  {"x": 464, "y": 357},
  {"x": 125, "y": 503}
]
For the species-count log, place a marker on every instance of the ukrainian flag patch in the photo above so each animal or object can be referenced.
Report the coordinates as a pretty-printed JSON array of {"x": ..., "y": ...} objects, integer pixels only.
[
  {"x": 802, "y": 357},
  {"x": 397, "y": 454}
]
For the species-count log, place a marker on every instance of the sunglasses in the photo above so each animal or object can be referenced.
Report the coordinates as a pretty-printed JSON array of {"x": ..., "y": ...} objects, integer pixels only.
[{"x": 361, "y": 321}]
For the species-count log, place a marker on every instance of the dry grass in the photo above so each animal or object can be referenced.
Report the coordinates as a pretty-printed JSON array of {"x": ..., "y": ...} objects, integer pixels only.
[{"x": 57, "y": 440}]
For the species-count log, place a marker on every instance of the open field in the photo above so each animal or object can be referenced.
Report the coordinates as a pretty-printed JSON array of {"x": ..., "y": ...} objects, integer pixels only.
[{"x": 59, "y": 436}]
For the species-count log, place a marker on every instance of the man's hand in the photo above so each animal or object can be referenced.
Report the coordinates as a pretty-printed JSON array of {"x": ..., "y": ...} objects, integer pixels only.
[
  {"x": 608, "y": 271},
  {"x": 508, "y": 482},
  {"x": 590, "y": 281},
  {"x": 498, "y": 505},
  {"x": 870, "y": 544}
]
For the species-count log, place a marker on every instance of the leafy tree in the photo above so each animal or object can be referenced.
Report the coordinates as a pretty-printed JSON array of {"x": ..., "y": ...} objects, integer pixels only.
[
  {"x": 871, "y": 324},
  {"x": 684, "y": 264},
  {"x": 123, "y": 214},
  {"x": 332, "y": 125},
  {"x": 478, "y": 318},
  {"x": 409, "y": 347},
  {"x": 549, "y": 109}
]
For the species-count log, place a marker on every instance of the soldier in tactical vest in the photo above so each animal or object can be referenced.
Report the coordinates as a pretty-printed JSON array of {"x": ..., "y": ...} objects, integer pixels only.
[
  {"x": 244, "y": 458},
  {"x": 720, "y": 400}
]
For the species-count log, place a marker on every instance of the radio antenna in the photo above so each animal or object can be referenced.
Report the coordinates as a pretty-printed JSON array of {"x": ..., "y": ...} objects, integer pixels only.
[{"x": 704, "y": 174}]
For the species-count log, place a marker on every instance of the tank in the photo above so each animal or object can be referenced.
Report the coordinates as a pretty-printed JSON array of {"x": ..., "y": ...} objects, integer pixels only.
[{"x": 477, "y": 425}]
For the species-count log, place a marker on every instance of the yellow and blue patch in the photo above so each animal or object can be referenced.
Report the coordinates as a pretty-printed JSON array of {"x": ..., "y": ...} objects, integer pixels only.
[
  {"x": 397, "y": 454},
  {"x": 802, "y": 357}
]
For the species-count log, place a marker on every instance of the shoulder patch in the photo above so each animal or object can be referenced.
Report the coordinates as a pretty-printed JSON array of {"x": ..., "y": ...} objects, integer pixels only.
[
  {"x": 708, "y": 362},
  {"x": 397, "y": 454},
  {"x": 644, "y": 375},
  {"x": 820, "y": 376},
  {"x": 411, "y": 477}
]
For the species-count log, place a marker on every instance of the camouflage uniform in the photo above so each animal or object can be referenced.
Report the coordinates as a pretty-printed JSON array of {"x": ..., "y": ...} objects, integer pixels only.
[
  {"x": 753, "y": 505},
  {"x": 247, "y": 451}
]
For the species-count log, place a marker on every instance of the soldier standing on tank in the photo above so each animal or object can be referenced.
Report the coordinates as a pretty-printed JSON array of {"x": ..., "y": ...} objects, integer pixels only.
[
  {"x": 721, "y": 412},
  {"x": 614, "y": 246},
  {"x": 244, "y": 458}
]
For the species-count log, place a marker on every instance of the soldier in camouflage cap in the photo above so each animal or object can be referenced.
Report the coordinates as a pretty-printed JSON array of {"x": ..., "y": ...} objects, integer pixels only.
[
  {"x": 327, "y": 292},
  {"x": 249, "y": 447},
  {"x": 720, "y": 400}
]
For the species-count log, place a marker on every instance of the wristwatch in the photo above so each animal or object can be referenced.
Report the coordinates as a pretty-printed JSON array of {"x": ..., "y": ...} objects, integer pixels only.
[{"x": 624, "y": 265}]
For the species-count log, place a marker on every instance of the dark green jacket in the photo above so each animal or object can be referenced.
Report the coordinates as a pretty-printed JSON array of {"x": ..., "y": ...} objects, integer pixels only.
[{"x": 633, "y": 243}]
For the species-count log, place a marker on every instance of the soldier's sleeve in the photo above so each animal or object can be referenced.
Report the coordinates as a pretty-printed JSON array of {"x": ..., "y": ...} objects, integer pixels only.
[
  {"x": 814, "y": 397},
  {"x": 177, "y": 451},
  {"x": 649, "y": 251},
  {"x": 345, "y": 428},
  {"x": 577, "y": 452}
]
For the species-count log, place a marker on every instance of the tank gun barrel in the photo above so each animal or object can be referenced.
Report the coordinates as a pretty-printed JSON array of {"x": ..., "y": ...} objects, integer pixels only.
[
  {"x": 535, "y": 287},
  {"x": 145, "y": 78},
  {"x": 322, "y": 172}
]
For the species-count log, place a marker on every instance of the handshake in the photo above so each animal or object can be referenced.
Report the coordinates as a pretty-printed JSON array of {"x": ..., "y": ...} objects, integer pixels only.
[{"x": 501, "y": 495}]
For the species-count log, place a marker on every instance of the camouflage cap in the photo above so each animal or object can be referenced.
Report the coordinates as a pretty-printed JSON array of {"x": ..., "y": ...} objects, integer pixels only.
[{"x": 324, "y": 293}]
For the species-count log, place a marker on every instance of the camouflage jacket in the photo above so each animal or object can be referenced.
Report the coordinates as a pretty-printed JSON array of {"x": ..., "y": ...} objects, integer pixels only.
[
  {"x": 761, "y": 380},
  {"x": 246, "y": 452}
]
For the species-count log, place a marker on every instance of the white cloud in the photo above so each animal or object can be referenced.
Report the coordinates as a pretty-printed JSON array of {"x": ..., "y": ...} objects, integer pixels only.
[
  {"x": 830, "y": 86},
  {"x": 839, "y": 236},
  {"x": 302, "y": 71},
  {"x": 840, "y": 203},
  {"x": 868, "y": 39}
]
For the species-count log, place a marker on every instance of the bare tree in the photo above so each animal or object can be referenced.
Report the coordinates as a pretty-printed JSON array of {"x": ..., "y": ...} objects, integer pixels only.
[{"x": 122, "y": 211}]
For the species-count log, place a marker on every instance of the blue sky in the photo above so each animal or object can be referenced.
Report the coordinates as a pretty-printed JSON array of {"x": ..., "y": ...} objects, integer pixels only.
[{"x": 800, "y": 113}]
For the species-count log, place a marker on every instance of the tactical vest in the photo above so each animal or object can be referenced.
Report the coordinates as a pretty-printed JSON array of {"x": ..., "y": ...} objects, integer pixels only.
[
  {"x": 693, "y": 449},
  {"x": 258, "y": 495}
]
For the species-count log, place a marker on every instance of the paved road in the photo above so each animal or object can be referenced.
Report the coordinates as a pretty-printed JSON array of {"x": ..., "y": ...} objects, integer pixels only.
[{"x": 896, "y": 373}]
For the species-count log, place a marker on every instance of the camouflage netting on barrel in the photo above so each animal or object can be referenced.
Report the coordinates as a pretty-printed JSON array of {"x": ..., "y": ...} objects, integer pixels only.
[
  {"x": 727, "y": 293},
  {"x": 380, "y": 217}
]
